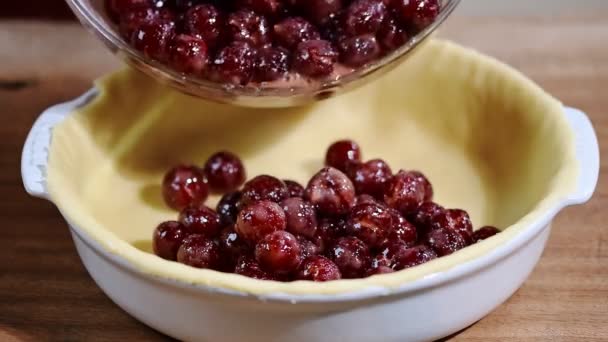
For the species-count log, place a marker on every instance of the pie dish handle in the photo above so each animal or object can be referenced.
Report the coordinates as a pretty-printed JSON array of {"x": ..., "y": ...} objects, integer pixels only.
[
  {"x": 34, "y": 158},
  {"x": 587, "y": 154}
]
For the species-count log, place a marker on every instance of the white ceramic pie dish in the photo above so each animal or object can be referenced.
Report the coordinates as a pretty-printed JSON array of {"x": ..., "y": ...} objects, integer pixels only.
[{"x": 420, "y": 308}]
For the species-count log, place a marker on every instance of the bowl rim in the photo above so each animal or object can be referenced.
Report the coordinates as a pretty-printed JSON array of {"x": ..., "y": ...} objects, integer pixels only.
[{"x": 247, "y": 95}]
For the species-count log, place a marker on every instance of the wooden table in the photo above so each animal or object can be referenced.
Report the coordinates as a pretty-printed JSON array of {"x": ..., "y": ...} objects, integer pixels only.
[{"x": 46, "y": 293}]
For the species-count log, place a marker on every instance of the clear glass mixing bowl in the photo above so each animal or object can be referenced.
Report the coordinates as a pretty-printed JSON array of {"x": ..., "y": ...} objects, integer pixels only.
[{"x": 92, "y": 15}]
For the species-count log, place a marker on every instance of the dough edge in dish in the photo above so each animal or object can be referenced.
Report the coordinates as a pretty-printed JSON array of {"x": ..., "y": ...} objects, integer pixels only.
[{"x": 60, "y": 184}]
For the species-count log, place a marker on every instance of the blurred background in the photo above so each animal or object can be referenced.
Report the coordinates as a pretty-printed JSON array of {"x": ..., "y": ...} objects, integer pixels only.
[{"x": 57, "y": 9}]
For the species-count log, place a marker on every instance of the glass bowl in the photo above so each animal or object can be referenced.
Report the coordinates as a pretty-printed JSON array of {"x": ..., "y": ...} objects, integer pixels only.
[{"x": 92, "y": 15}]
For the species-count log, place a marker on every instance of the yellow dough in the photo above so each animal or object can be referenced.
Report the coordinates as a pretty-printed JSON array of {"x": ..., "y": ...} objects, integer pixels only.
[{"x": 490, "y": 141}]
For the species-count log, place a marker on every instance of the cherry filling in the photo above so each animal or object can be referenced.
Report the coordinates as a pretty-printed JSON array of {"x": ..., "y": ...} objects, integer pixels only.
[
  {"x": 277, "y": 37},
  {"x": 352, "y": 219}
]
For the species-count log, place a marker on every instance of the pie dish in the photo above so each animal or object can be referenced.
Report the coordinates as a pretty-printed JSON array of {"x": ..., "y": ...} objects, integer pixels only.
[{"x": 493, "y": 142}]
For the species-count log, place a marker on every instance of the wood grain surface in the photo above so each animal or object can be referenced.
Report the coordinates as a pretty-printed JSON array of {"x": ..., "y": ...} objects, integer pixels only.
[{"x": 46, "y": 294}]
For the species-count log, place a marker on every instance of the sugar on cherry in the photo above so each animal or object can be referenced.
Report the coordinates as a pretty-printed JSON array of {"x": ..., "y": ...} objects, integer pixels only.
[
  {"x": 293, "y": 30},
  {"x": 294, "y": 189},
  {"x": 167, "y": 238},
  {"x": 342, "y": 154},
  {"x": 272, "y": 64},
  {"x": 412, "y": 256},
  {"x": 445, "y": 241},
  {"x": 331, "y": 192},
  {"x": 456, "y": 220},
  {"x": 418, "y": 13},
  {"x": 364, "y": 16},
  {"x": 405, "y": 192},
  {"x": 247, "y": 26},
  {"x": 200, "y": 219},
  {"x": 199, "y": 251},
  {"x": 371, "y": 177},
  {"x": 315, "y": 58},
  {"x": 153, "y": 38},
  {"x": 247, "y": 266},
  {"x": 264, "y": 187},
  {"x": 318, "y": 268},
  {"x": 234, "y": 64},
  {"x": 301, "y": 216},
  {"x": 184, "y": 186},
  {"x": 371, "y": 223},
  {"x": 351, "y": 255},
  {"x": 205, "y": 21},
  {"x": 224, "y": 171},
  {"x": 259, "y": 219},
  {"x": 279, "y": 252},
  {"x": 188, "y": 54}
]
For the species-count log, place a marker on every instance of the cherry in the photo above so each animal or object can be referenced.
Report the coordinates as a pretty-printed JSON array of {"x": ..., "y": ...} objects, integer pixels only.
[
  {"x": 351, "y": 255},
  {"x": 342, "y": 154},
  {"x": 391, "y": 34},
  {"x": 234, "y": 64},
  {"x": 184, "y": 186},
  {"x": 419, "y": 13},
  {"x": 364, "y": 16},
  {"x": 359, "y": 50},
  {"x": 117, "y": 8},
  {"x": 410, "y": 257},
  {"x": 329, "y": 230},
  {"x": 308, "y": 248},
  {"x": 259, "y": 219},
  {"x": 319, "y": 11},
  {"x": 484, "y": 233},
  {"x": 301, "y": 216},
  {"x": 167, "y": 238},
  {"x": 426, "y": 184},
  {"x": 264, "y": 187},
  {"x": 205, "y": 21},
  {"x": 371, "y": 177},
  {"x": 318, "y": 268},
  {"x": 380, "y": 270},
  {"x": 371, "y": 223},
  {"x": 188, "y": 55},
  {"x": 331, "y": 192},
  {"x": 249, "y": 27},
  {"x": 292, "y": 31},
  {"x": 228, "y": 207},
  {"x": 333, "y": 29},
  {"x": 315, "y": 58},
  {"x": 248, "y": 267},
  {"x": 294, "y": 188},
  {"x": 233, "y": 246},
  {"x": 272, "y": 64},
  {"x": 405, "y": 192},
  {"x": 424, "y": 217},
  {"x": 225, "y": 172},
  {"x": 445, "y": 241},
  {"x": 269, "y": 8},
  {"x": 200, "y": 252},
  {"x": 366, "y": 199},
  {"x": 153, "y": 38},
  {"x": 279, "y": 252},
  {"x": 200, "y": 220},
  {"x": 456, "y": 220},
  {"x": 401, "y": 230},
  {"x": 131, "y": 20}
]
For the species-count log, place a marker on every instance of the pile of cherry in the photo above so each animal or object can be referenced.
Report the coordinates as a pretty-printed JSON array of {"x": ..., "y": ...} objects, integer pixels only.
[
  {"x": 239, "y": 41},
  {"x": 354, "y": 219}
]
